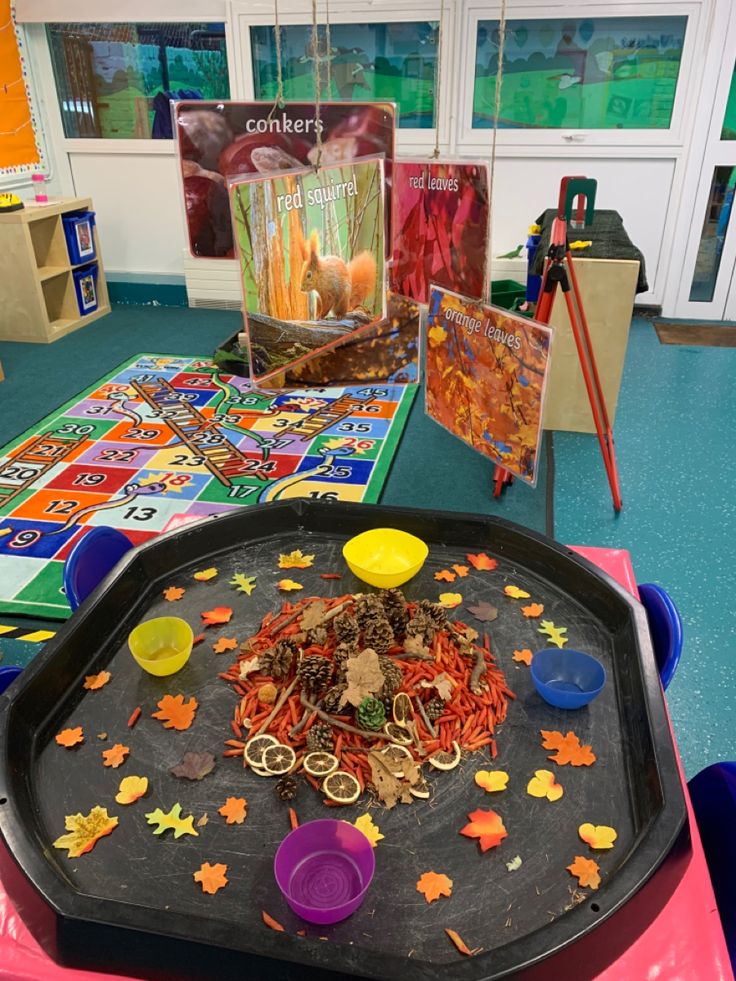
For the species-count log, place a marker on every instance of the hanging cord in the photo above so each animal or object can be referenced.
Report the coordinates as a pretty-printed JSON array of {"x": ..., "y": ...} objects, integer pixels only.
[
  {"x": 279, "y": 101},
  {"x": 317, "y": 84},
  {"x": 437, "y": 86},
  {"x": 496, "y": 113},
  {"x": 328, "y": 46}
]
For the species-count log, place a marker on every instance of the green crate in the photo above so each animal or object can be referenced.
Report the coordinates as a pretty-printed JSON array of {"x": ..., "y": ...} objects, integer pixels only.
[{"x": 505, "y": 293}]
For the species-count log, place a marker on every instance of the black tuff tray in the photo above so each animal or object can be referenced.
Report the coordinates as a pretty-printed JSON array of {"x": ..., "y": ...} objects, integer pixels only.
[{"x": 131, "y": 904}]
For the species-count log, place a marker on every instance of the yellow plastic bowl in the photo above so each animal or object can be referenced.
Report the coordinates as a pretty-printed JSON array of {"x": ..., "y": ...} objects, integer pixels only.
[
  {"x": 385, "y": 557},
  {"x": 161, "y": 646}
]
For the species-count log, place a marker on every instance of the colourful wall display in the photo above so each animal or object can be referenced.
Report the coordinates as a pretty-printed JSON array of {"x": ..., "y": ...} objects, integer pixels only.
[
  {"x": 580, "y": 73},
  {"x": 20, "y": 146},
  {"x": 391, "y": 61},
  {"x": 486, "y": 372}
]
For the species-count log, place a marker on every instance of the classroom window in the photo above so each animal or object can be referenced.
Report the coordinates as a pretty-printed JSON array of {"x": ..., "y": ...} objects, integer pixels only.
[
  {"x": 580, "y": 73},
  {"x": 394, "y": 62},
  {"x": 115, "y": 81}
]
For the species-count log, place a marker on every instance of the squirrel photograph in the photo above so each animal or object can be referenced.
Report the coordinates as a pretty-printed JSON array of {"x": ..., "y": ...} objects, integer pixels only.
[{"x": 341, "y": 287}]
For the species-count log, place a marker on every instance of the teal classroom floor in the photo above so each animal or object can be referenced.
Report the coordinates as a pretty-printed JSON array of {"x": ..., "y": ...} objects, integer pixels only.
[{"x": 675, "y": 440}]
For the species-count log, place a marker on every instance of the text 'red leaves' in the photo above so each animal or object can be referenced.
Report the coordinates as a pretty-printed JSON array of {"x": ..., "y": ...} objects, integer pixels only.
[
  {"x": 487, "y": 827},
  {"x": 598, "y": 836},
  {"x": 85, "y": 830},
  {"x": 175, "y": 713},
  {"x": 568, "y": 749},
  {"x": 586, "y": 871},
  {"x": 211, "y": 877},
  {"x": 432, "y": 885},
  {"x": 93, "y": 682}
]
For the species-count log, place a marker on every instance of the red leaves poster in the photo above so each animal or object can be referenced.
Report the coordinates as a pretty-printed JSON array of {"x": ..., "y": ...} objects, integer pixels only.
[
  {"x": 440, "y": 222},
  {"x": 486, "y": 372}
]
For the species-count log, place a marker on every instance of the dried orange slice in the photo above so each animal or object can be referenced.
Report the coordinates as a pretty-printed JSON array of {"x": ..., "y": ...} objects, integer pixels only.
[
  {"x": 319, "y": 764},
  {"x": 341, "y": 787},
  {"x": 395, "y": 732},
  {"x": 446, "y": 761},
  {"x": 402, "y": 709},
  {"x": 396, "y": 754},
  {"x": 420, "y": 789},
  {"x": 256, "y": 747},
  {"x": 278, "y": 759}
]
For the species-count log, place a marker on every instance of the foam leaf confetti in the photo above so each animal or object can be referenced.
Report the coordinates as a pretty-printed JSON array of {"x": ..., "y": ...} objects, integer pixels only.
[
  {"x": 524, "y": 656},
  {"x": 131, "y": 789},
  {"x": 487, "y": 827},
  {"x": 444, "y": 575},
  {"x": 482, "y": 562},
  {"x": 598, "y": 836},
  {"x": 85, "y": 830},
  {"x": 288, "y": 585},
  {"x": 432, "y": 885},
  {"x": 173, "y": 593},
  {"x": 450, "y": 600},
  {"x": 586, "y": 871},
  {"x": 175, "y": 713},
  {"x": 515, "y": 593},
  {"x": 554, "y": 633},
  {"x": 194, "y": 766},
  {"x": 492, "y": 780},
  {"x": 484, "y": 612},
  {"x": 533, "y": 610},
  {"x": 211, "y": 877},
  {"x": 172, "y": 821},
  {"x": 93, "y": 682},
  {"x": 70, "y": 737},
  {"x": 460, "y": 943},
  {"x": 234, "y": 810},
  {"x": 243, "y": 584},
  {"x": 115, "y": 756},
  {"x": 543, "y": 784},
  {"x": 514, "y": 864},
  {"x": 205, "y": 575},
  {"x": 224, "y": 644},
  {"x": 568, "y": 749},
  {"x": 461, "y": 570},
  {"x": 295, "y": 560},
  {"x": 220, "y": 614},
  {"x": 371, "y": 830}
]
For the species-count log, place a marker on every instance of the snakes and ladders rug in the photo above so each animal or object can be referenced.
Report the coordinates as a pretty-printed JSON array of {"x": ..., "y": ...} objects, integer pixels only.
[{"x": 160, "y": 437}]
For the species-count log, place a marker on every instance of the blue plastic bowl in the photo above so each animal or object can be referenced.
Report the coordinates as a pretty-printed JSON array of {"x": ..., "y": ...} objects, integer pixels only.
[
  {"x": 567, "y": 679},
  {"x": 8, "y": 676}
]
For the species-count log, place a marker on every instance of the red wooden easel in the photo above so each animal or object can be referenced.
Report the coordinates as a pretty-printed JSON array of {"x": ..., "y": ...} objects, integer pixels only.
[{"x": 559, "y": 270}]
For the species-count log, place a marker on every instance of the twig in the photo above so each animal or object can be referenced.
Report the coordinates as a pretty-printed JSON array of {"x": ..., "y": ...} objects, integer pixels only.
[
  {"x": 406, "y": 656},
  {"x": 302, "y": 722},
  {"x": 478, "y": 669},
  {"x": 365, "y": 733},
  {"x": 425, "y": 718},
  {"x": 277, "y": 708},
  {"x": 335, "y": 610}
]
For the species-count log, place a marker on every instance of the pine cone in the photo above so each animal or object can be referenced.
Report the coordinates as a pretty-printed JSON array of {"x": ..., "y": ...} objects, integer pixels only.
[
  {"x": 317, "y": 635},
  {"x": 392, "y": 676},
  {"x": 378, "y": 635},
  {"x": 394, "y": 605},
  {"x": 331, "y": 701},
  {"x": 367, "y": 608},
  {"x": 314, "y": 673},
  {"x": 346, "y": 628},
  {"x": 286, "y": 787},
  {"x": 277, "y": 662},
  {"x": 342, "y": 653},
  {"x": 320, "y": 739},
  {"x": 371, "y": 714},
  {"x": 420, "y": 625},
  {"x": 436, "y": 613},
  {"x": 434, "y": 708}
]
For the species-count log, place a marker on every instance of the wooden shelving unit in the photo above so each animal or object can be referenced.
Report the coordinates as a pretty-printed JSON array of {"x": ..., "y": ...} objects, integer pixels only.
[{"x": 38, "y": 302}]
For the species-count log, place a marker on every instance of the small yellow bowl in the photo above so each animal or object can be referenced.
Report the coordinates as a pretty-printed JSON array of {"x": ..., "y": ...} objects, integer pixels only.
[
  {"x": 161, "y": 646},
  {"x": 385, "y": 557}
]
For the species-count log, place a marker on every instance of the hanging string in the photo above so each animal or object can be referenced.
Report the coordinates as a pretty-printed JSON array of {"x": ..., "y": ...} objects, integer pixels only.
[
  {"x": 317, "y": 84},
  {"x": 328, "y": 45},
  {"x": 438, "y": 85},
  {"x": 279, "y": 101},
  {"x": 496, "y": 113}
]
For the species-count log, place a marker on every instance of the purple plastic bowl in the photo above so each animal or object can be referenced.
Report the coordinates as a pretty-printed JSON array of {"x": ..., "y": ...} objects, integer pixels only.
[{"x": 324, "y": 868}]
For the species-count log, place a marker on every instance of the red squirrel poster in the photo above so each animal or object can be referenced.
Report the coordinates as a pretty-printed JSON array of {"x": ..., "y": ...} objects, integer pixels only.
[{"x": 310, "y": 246}]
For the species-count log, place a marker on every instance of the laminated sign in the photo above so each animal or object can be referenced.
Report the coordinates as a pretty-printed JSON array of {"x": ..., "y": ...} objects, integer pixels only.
[{"x": 486, "y": 374}]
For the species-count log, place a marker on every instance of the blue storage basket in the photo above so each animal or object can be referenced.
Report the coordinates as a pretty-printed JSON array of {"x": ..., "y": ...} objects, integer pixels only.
[
  {"x": 85, "y": 284},
  {"x": 80, "y": 239}
]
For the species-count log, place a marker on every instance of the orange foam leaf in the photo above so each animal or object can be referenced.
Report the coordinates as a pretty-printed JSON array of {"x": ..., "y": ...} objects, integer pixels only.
[
  {"x": 444, "y": 575},
  {"x": 234, "y": 810},
  {"x": 525, "y": 656},
  {"x": 568, "y": 749},
  {"x": 70, "y": 737},
  {"x": 115, "y": 756},
  {"x": 174, "y": 593},
  {"x": 482, "y": 562},
  {"x": 533, "y": 610},
  {"x": 432, "y": 885},
  {"x": 461, "y": 570},
  {"x": 586, "y": 871},
  {"x": 211, "y": 877},
  {"x": 487, "y": 827},
  {"x": 95, "y": 681},
  {"x": 224, "y": 644},
  {"x": 175, "y": 713},
  {"x": 220, "y": 614}
]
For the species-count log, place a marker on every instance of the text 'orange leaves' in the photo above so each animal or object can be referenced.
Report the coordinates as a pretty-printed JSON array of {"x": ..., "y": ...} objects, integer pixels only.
[
  {"x": 175, "y": 713},
  {"x": 70, "y": 737},
  {"x": 461, "y": 570},
  {"x": 585, "y": 871},
  {"x": 234, "y": 810},
  {"x": 115, "y": 756},
  {"x": 432, "y": 885},
  {"x": 270, "y": 922},
  {"x": 543, "y": 784},
  {"x": 482, "y": 562},
  {"x": 568, "y": 749},
  {"x": 444, "y": 575},
  {"x": 95, "y": 681},
  {"x": 487, "y": 827},
  {"x": 211, "y": 877},
  {"x": 224, "y": 644},
  {"x": 525, "y": 656},
  {"x": 598, "y": 836},
  {"x": 533, "y": 610},
  {"x": 460, "y": 943},
  {"x": 174, "y": 593},
  {"x": 220, "y": 614}
]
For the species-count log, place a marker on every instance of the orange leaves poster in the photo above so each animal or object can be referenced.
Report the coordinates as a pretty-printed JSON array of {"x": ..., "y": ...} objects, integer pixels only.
[{"x": 486, "y": 372}]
